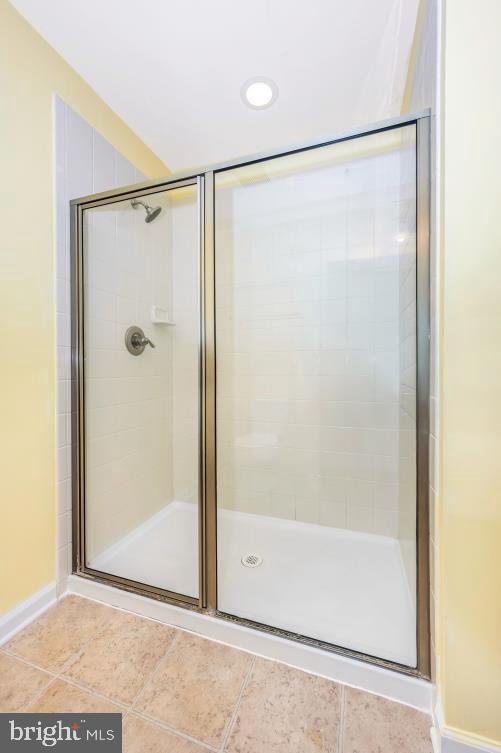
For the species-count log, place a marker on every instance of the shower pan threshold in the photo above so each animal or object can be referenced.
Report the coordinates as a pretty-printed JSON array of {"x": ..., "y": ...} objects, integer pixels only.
[{"x": 343, "y": 587}]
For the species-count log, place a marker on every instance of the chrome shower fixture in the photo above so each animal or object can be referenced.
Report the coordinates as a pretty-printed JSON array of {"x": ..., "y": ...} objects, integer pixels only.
[{"x": 151, "y": 212}]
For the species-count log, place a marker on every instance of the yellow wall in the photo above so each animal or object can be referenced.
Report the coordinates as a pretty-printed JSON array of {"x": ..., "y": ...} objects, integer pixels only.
[
  {"x": 469, "y": 619},
  {"x": 30, "y": 73}
]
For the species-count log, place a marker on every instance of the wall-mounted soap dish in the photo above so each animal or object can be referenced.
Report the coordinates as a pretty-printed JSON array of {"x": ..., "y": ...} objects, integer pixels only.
[{"x": 160, "y": 315}]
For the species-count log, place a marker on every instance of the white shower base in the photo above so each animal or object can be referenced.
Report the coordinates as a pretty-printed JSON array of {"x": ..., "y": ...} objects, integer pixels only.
[{"x": 343, "y": 587}]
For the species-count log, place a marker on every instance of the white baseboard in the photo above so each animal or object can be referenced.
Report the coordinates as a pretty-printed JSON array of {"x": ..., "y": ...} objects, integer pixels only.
[
  {"x": 393, "y": 685},
  {"x": 452, "y": 743},
  {"x": 446, "y": 740},
  {"x": 27, "y": 611}
]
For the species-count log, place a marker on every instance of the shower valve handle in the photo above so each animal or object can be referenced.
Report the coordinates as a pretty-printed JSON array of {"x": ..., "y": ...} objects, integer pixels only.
[
  {"x": 136, "y": 341},
  {"x": 139, "y": 341}
]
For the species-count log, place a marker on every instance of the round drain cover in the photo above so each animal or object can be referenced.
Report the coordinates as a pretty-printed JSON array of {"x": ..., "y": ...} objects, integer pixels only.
[{"x": 251, "y": 560}]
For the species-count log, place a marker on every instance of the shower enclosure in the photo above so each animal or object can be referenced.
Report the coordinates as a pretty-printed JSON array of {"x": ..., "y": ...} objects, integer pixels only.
[{"x": 250, "y": 377}]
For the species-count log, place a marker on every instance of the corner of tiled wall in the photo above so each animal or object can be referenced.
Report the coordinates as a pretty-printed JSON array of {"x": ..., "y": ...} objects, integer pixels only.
[{"x": 84, "y": 163}]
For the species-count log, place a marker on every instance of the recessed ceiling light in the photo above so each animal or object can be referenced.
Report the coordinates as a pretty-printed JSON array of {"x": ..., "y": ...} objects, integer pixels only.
[{"x": 259, "y": 92}]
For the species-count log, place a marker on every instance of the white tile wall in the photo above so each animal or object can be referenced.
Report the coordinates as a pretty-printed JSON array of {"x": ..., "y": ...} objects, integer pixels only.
[
  {"x": 308, "y": 336},
  {"x": 127, "y": 269},
  {"x": 186, "y": 339},
  {"x": 84, "y": 162}
]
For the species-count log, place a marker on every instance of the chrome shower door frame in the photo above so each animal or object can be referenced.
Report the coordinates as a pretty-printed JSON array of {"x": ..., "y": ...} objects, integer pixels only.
[
  {"x": 204, "y": 179},
  {"x": 78, "y": 207}
]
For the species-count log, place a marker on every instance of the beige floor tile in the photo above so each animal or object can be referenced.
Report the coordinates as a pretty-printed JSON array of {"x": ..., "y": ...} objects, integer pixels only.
[
  {"x": 373, "y": 724},
  {"x": 61, "y": 631},
  {"x": 196, "y": 687},
  {"x": 118, "y": 661},
  {"x": 143, "y": 737},
  {"x": 284, "y": 710},
  {"x": 19, "y": 683},
  {"x": 61, "y": 696}
]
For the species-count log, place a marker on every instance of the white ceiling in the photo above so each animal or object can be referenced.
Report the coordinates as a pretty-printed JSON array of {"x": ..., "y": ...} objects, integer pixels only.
[{"x": 173, "y": 69}]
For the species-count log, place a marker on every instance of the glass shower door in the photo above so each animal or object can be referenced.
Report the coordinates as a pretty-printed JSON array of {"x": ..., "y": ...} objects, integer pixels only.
[
  {"x": 141, "y": 344},
  {"x": 315, "y": 287}
]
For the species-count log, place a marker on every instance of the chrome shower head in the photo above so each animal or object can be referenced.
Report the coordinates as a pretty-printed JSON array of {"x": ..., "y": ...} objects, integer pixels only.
[{"x": 151, "y": 212}]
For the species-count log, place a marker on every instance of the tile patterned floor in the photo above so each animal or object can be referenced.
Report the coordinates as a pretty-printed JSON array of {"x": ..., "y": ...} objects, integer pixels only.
[{"x": 179, "y": 693}]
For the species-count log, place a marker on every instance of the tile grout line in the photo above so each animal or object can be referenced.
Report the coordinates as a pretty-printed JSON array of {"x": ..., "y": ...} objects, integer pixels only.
[
  {"x": 163, "y": 725},
  {"x": 38, "y": 694},
  {"x": 54, "y": 675},
  {"x": 63, "y": 678},
  {"x": 74, "y": 656},
  {"x": 158, "y": 722},
  {"x": 340, "y": 740},
  {"x": 96, "y": 693},
  {"x": 153, "y": 672},
  {"x": 230, "y": 724},
  {"x": 127, "y": 707},
  {"x": 42, "y": 690}
]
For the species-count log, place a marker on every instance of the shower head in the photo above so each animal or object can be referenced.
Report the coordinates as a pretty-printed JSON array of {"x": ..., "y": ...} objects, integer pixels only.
[{"x": 151, "y": 212}]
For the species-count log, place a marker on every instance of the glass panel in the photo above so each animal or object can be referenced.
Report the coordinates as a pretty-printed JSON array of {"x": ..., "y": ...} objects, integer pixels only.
[
  {"x": 142, "y": 407},
  {"x": 316, "y": 393}
]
